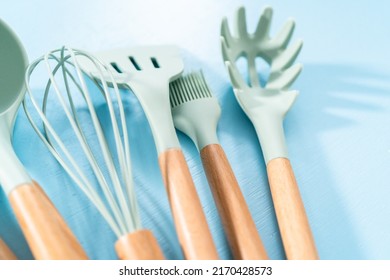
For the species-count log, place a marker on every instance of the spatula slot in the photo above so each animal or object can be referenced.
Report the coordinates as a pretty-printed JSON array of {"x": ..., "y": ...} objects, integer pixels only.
[
  {"x": 116, "y": 67},
  {"x": 155, "y": 62},
  {"x": 135, "y": 64}
]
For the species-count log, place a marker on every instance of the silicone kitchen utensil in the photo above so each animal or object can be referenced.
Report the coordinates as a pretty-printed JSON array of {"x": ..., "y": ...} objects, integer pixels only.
[
  {"x": 93, "y": 146},
  {"x": 5, "y": 252},
  {"x": 147, "y": 71},
  {"x": 45, "y": 230},
  {"x": 266, "y": 107},
  {"x": 196, "y": 113}
]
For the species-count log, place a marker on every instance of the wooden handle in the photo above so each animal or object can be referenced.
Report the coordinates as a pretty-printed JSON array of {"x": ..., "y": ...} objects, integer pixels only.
[
  {"x": 190, "y": 221},
  {"x": 294, "y": 226},
  {"x": 139, "y": 245},
  {"x": 240, "y": 228},
  {"x": 45, "y": 230},
  {"x": 5, "y": 252}
]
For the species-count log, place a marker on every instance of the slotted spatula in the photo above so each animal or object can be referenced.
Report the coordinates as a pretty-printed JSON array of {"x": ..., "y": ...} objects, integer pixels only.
[{"x": 147, "y": 71}]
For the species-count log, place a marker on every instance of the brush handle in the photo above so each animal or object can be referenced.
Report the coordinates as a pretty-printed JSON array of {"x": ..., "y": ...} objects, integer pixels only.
[
  {"x": 139, "y": 245},
  {"x": 190, "y": 221},
  {"x": 5, "y": 252},
  {"x": 294, "y": 226},
  {"x": 240, "y": 228},
  {"x": 45, "y": 230}
]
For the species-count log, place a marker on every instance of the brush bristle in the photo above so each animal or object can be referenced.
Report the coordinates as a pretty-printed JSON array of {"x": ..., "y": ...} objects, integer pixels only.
[{"x": 188, "y": 88}]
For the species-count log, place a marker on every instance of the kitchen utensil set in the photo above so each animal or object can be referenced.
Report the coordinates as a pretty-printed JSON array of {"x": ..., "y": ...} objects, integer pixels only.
[{"x": 76, "y": 80}]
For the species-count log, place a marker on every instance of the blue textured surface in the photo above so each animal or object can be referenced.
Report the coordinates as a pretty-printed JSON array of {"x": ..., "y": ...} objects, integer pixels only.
[{"x": 337, "y": 133}]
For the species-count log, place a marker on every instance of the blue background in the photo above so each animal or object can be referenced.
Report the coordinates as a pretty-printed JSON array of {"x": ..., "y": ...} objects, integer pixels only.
[{"x": 337, "y": 133}]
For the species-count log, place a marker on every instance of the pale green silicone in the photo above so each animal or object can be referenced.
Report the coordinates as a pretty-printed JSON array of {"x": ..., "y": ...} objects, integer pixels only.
[
  {"x": 13, "y": 62},
  {"x": 198, "y": 119},
  {"x": 112, "y": 190},
  {"x": 194, "y": 109},
  {"x": 266, "y": 105},
  {"x": 147, "y": 70}
]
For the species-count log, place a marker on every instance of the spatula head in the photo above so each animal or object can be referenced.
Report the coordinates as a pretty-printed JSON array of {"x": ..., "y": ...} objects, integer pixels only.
[
  {"x": 147, "y": 71},
  {"x": 152, "y": 62}
]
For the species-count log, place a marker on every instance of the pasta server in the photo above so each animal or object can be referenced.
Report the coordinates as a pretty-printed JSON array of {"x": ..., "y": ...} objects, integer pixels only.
[
  {"x": 196, "y": 113},
  {"x": 45, "y": 230},
  {"x": 147, "y": 71},
  {"x": 266, "y": 106}
]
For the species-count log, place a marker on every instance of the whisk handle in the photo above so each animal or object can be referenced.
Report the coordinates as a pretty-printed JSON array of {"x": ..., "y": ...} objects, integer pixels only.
[
  {"x": 240, "y": 228},
  {"x": 45, "y": 230},
  {"x": 190, "y": 221},
  {"x": 5, "y": 252},
  {"x": 138, "y": 245},
  {"x": 294, "y": 226}
]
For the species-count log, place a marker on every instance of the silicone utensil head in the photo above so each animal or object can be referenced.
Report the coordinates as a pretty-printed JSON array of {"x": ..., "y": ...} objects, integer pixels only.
[
  {"x": 195, "y": 111},
  {"x": 13, "y": 62},
  {"x": 147, "y": 70},
  {"x": 274, "y": 50},
  {"x": 265, "y": 103}
]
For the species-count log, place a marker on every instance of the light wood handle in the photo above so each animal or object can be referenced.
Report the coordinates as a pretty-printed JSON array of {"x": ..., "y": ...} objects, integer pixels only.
[
  {"x": 5, "y": 252},
  {"x": 294, "y": 226},
  {"x": 139, "y": 245},
  {"x": 45, "y": 230},
  {"x": 240, "y": 228},
  {"x": 190, "y": 221}
]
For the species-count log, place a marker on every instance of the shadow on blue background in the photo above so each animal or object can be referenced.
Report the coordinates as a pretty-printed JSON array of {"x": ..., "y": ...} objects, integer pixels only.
[
  {"x": 329, "y": 93},
  {"x": 323, "y": 88}
]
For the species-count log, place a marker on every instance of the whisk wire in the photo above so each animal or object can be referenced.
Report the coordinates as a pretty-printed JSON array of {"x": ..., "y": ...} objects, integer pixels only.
[
  {"x": 80, "y": 178},
  {"x": 122, "y": 211},
  {"x": 102, "y": 140},
  {"x": 84, "y": 144},
  {"x": 123, "y": 155}
]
